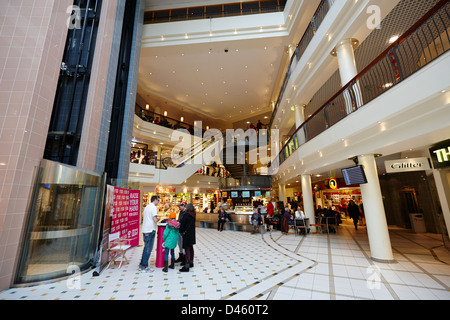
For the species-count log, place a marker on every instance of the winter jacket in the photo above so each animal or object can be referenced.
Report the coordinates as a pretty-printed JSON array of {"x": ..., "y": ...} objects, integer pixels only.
[
  {"x": 187, "y": 229},
  {"x": 170, "y": 235}
]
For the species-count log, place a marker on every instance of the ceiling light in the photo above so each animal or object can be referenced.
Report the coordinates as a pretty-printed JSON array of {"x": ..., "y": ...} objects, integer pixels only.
[
  {"x": 182, "y": 119},
  {"x": 165, "y": 113},
  {"x": 147, "y": 107}
]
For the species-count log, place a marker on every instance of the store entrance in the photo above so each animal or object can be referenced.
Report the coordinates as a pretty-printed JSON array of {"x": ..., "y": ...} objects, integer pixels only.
[{"x": 408, "y": 200}]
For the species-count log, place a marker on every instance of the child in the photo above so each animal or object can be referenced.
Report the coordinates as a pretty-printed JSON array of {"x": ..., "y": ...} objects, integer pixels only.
[{"x": 170, "y": 238}]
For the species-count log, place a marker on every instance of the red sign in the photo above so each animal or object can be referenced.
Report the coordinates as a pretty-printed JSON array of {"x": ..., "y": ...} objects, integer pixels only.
[
  {"x": 134, "y": 214},
  {"x": 126, "y": 214}
]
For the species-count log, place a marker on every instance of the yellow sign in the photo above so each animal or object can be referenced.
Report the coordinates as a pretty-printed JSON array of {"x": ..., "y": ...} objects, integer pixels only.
[{"x": 333, "y": 183}]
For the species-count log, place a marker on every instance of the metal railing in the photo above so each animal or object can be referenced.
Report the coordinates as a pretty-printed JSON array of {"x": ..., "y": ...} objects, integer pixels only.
[
  {"x": 423, "y": 43},
  {"x": 311, "y": 30},
  {"x": 214, "y": 11}
]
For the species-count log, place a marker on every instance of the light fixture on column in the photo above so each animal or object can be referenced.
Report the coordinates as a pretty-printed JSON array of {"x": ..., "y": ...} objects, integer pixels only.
[{"x": 355, "y": 44}]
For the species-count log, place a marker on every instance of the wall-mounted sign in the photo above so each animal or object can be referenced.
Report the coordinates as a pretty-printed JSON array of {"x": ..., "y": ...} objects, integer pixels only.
[
  {"x": 165, "y": 190},
  {"x": 407, "y": 165},
  {"x": 333, "y": 184},
  {"x": 440, "y": 155}
]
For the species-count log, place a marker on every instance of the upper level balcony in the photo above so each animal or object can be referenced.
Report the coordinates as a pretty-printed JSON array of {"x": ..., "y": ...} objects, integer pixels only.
[{"x": 400, "y": 101}]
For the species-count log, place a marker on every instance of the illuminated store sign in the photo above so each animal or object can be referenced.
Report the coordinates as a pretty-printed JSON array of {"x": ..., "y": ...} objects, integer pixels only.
[
  {"x": 440, "y": 154},
  {"x": 333, "y": 184},
  {"x": 407, "y": 165},
  {"x": 443, "y": 155}
]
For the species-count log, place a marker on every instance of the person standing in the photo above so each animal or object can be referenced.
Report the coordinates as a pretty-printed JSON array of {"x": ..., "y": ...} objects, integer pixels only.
[
  {"x": 285, "y": 220},
  {"x": 256, "y": 220},
  {"x": 182, "y": 206},
  {"x": 353, "y": 212},
  {"x": 148, "y": 231},
  {"x": 270, "y": 209},
  {"x": 170, "y": 238},
  {"x": 187, "y": 228},
  {"x": 222, "y": 219}
]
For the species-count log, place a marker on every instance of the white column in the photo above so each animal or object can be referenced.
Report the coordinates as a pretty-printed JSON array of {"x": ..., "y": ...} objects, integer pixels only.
[
  {"x": 346, "y": 60},
  {"x": 299, "y": 111},
  {"x": 282, "y": 193},
  {"x": 308, "y": 201},
  {"x": 347, "y": 69},
  {"x": 377, "y": 228}
]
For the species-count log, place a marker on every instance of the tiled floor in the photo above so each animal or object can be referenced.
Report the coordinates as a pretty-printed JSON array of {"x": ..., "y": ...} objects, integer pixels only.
[{"x": 271, "y": 266}]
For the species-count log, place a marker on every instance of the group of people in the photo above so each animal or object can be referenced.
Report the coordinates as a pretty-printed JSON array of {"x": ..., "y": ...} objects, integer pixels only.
[
  {"x": 289, "y": 219},
  {"x": 179, "y": 232}
]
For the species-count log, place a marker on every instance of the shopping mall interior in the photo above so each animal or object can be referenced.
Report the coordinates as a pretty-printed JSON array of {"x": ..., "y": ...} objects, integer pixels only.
[{"x": 323, "y": 107}]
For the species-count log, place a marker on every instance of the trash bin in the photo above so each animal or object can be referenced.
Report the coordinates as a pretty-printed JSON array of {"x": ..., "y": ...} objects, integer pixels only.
[{"x": 418, "y": 222}]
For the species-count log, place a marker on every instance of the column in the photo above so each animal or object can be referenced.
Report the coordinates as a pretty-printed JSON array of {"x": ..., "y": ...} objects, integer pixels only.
[
  {"x": 347, "y": 70},
  {"x": 308, "y": 201},
  {"x": 377, "y": 228},
  {"x": 299, "y": 119},
  {"x": 282, "y": 193}
]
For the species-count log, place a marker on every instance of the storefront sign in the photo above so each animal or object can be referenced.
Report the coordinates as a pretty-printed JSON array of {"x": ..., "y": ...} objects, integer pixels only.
[
  {"x": 165, "y": 190},
  {"x": 333, "y": 184},
  {"x": 440, "y": 155},
  {"x": 407, "y": 165}
]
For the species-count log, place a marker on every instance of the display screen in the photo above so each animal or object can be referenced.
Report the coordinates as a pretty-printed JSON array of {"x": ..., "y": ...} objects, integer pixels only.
[
  {"x": 257, "y": 193},
  {"x": 245, "y": 194},
  {"x": 354, "y": 175},
  {"x": 234, "y": 194}
]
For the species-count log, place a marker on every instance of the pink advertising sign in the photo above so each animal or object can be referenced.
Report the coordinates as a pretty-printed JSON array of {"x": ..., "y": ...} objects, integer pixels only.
[
  {"x": 134, "y": 214},
  {"x": 126, "y": 214}
]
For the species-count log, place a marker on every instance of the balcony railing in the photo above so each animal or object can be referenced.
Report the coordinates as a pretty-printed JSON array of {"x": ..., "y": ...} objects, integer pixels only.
[
  {"x": 311, "y": 30},
  {"x": 423, "y": 43},
  {"x": 214, "y": 11}
]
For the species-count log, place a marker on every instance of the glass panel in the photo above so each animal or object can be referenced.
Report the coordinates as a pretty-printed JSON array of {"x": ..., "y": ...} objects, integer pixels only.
[{"x": 63, "y": 224}]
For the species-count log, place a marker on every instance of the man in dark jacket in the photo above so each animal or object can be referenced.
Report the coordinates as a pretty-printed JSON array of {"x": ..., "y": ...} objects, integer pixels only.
[
  {"x": 353, "y": 212},
  {"x": 187, "y": 229}
]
